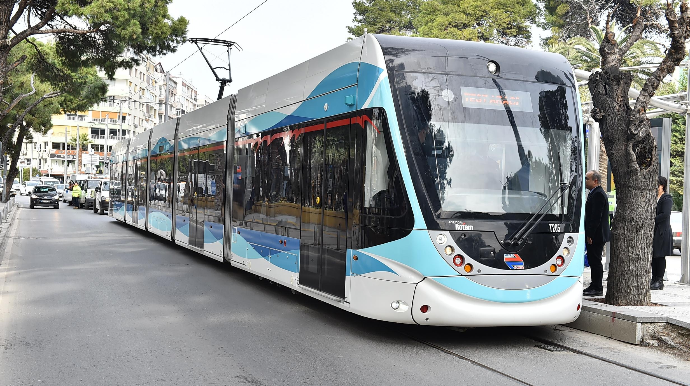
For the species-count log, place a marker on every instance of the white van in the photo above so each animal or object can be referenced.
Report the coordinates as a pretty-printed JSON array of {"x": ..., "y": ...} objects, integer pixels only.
[{"x": 102, "y": 200}]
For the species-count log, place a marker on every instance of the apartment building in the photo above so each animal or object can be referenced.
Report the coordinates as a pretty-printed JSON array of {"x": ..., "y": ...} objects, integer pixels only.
[{"x": 135, "y": 103}]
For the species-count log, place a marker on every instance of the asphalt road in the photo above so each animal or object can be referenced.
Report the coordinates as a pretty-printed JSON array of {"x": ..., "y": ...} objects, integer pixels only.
[{"x": 85, "y": 300}]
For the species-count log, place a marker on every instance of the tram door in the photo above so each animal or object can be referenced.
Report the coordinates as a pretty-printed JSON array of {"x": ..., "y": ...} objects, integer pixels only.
[
  {"x": 325, "y": 218},
  {"x": 197, "y": 199}
]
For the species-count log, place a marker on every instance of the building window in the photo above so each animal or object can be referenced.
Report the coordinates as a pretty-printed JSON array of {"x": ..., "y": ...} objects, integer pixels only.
[{"x": 71, "y": 117}]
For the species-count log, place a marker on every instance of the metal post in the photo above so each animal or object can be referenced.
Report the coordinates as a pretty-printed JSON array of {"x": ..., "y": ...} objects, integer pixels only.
[
  {"x": 77, "y": 166},
  {"x": 64, "y": 180},
  {"x": 685, "y": 246},
  {"x": 106, "y": 159},
  {"x": 593, "y": 146},
  {"x": 167, "y": 95},
  {"x": 119, "y": 116}
]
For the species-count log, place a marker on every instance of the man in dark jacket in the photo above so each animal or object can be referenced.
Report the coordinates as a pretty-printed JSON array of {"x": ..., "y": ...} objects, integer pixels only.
[
  {"x": 596, "y": 230},
  {"x": 663, "y": 237}
]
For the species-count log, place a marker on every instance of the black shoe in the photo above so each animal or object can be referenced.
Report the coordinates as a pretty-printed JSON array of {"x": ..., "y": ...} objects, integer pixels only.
[
  {"x": 593, "y": 291},
  {"x": 657, "y": 285}
]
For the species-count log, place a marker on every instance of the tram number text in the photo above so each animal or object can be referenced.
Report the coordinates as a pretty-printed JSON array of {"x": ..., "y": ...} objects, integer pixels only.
[{"x": 555, "y": 227}]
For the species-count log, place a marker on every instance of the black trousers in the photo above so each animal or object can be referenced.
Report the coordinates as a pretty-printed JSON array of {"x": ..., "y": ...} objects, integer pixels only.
[
  {"x": 658, "y": 268},
  {"x": 594, "y": 257}
]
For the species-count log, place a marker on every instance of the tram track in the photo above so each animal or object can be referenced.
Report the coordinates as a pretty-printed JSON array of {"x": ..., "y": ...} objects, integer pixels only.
[{"x": 545, "y": 344}]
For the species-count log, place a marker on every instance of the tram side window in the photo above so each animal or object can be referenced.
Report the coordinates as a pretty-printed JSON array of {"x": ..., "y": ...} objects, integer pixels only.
[
  {"x": 210, "y": 165},
  {"x": 279, "y": 171},
  {"x": 239, "y": 177},
  {"x": 383, "y": 192},
  {"x": 253, "y": 191},
  {"x": 184, "y": 183}
]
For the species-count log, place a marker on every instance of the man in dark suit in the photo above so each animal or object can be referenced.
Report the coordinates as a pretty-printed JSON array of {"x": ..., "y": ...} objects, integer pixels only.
[{"x": 596, "y": 230}]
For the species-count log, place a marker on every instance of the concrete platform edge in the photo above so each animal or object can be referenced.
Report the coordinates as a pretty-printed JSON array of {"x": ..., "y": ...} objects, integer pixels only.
[{"x": 620, "y": 323}]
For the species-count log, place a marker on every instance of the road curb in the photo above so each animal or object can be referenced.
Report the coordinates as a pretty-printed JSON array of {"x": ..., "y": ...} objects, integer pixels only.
[
  {"x": 621, "y": 323},
  {"x": 6, "y": 225}
]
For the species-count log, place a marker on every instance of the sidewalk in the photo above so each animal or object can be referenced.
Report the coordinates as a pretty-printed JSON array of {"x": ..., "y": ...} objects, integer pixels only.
[{"x": 635, "y": 324}]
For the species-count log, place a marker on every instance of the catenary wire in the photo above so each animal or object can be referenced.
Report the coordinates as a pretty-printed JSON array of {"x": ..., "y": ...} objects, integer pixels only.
[{"x": 225, "y": 30}]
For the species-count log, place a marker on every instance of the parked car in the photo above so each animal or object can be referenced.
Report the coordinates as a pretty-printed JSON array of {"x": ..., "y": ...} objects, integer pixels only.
[
  {"x": 102, "y": 201},
  {"x": 677, "y": 228},
  {"x": 16, "y": 187},
  {"x": 44, "y": 195},
  {"x": 67, "y": 195},
  {"x": 60, "y": 189},
  {"x": 27, "y": 187}
]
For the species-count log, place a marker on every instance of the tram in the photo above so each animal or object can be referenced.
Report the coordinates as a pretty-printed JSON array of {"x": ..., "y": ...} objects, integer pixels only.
[{"x": 410, "y": 180}]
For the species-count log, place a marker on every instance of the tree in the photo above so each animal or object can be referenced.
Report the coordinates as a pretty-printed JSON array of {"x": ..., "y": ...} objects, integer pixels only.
[
  {"x": 393, "y": 17},
  {"x": 33, "y": 110},
  {"x": 583, "y": 53},
  {"x": 498, "y": 21},
  {"x": 84, "y": 141},
  {"x": 632, "y": 152},
  {"x": 87, "y": 34},
  {"x": 570, "y": 18}
]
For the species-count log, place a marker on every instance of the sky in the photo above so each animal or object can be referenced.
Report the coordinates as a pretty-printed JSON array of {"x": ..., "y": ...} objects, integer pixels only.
[{"x": 278, "y": 35}]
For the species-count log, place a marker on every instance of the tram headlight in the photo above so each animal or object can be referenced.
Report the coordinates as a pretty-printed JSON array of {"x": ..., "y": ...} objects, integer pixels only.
[
  {"x": 449, "y": 250},
  {"x": 553, "y": 268},
  {"x": 492, "y": 67},
  {"x": 458, "y": 260},
  {"x": 571, "y": 240},
  {"x": 441, "y": 239},
  {"x": 468, "y": 267},
  {"x": 560, "y": 261},
  {"x": 566, "y": 251}
]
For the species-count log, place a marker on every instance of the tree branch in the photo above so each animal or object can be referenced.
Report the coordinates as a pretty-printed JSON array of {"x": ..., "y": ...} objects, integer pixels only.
[
  {"x": 20, "y": 119},
  {"x": 19, "y": 98},
  {"x": 17, "y": 15},
  {"x": 635, "y": 35},
  {"x": 29, "y": 31},
  {"x": 608, "y": 49},
  {"x": 678, "y": 29}
]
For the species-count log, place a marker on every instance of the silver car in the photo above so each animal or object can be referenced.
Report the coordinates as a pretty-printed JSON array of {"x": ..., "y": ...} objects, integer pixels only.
[{"x": 677, "y": 228}]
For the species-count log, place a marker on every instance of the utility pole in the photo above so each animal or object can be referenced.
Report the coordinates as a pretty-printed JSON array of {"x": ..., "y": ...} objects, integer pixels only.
[
  {"x": 64, "y": 180},
  {"x": 119, "y": 116},
  {"x": 106, "y": 159},
  {"x": 77, "y": 167},
  {"x": 167, "y": 95},
  {"x": 685, "y": 245}
]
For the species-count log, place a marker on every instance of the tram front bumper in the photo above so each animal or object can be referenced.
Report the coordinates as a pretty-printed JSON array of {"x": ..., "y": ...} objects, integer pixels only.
[{"x": 457, "y": 301}]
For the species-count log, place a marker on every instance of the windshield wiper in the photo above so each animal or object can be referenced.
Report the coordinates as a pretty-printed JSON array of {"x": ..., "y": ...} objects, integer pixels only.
[{"x": 525, "y": 230}]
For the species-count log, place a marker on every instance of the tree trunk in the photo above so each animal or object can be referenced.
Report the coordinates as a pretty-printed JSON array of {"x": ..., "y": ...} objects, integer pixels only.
[
  {"x": 13, "y": 172},
  {"x": 631, "y": 149}
]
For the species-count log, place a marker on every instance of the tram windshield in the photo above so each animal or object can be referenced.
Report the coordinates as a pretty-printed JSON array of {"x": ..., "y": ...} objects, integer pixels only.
[{"x": 488, "y": 147}]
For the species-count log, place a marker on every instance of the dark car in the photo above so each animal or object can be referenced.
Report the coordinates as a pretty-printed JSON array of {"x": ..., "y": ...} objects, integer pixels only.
[{"x": 45, "y": 195}]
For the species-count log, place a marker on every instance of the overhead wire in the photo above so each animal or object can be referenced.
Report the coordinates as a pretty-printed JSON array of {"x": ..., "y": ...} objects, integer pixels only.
[{"x": 225, "y": 30}]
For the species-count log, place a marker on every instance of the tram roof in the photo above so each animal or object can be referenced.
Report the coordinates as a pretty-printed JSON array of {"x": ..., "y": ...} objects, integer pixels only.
[{"x": 460, "y": 57}]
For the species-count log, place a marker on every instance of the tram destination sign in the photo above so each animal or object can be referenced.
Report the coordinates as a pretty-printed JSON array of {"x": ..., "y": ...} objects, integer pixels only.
[{"x": 484, "y": 98}]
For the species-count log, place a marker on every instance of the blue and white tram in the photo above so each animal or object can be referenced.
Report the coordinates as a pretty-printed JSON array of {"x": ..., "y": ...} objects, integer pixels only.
[{"x": 403, "y": 179}]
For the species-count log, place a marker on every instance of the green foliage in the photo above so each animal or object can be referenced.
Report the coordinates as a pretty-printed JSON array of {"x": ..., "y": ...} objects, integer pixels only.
[
  {"x": 392, "y": 17},
  {"x": 84, "y": 141},
  {"x": 79, "y": 89},
  {"x": 138, "y": 26},
  {"x": 497, "y": 21},
  {"x": 584, "y": 53},
  {"x": 677, "y": 160}
]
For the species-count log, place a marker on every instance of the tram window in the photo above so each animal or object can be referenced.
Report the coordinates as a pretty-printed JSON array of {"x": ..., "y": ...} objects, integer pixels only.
[
  {"x": 210, "y": 166},
  {"x": 238, "y": 182},
  {"x": 279, "y": 171},
  {"x": 383, "y": 193}
]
